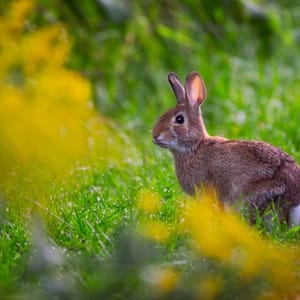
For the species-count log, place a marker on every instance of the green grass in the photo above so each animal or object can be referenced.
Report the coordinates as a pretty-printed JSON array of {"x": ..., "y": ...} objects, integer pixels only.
[{"x": 88, "y": 215}]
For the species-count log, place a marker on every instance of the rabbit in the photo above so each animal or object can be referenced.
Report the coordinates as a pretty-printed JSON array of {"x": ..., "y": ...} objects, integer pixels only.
[{"x": 253, "y": 172}]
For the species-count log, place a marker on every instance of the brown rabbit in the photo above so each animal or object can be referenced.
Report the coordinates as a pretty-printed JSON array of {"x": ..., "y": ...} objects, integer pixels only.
[{"x": 255, "y": 172}]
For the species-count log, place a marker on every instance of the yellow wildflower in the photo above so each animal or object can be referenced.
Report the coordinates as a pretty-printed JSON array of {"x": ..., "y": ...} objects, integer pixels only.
[
  {"x": 162, "y": 279},
  {"x": 15, "y": 16},
  {"x": 149, "y": 201},
  {"x": 155, "y": 231},
  {"x": 209, "y": 288},
  {"x": 48, "y": 120},
  {"x": 222, "y": 235}
]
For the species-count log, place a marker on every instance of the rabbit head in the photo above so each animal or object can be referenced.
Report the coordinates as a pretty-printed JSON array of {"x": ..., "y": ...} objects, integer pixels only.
[{"x": 181, "y": 128}]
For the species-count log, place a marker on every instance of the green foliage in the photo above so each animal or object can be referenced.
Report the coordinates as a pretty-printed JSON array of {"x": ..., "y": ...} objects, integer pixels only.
[{"x": 128, "y": 57}]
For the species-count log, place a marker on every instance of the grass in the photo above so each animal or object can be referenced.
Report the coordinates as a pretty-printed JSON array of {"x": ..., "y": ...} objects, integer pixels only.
[{"x": 82, "y": 229}]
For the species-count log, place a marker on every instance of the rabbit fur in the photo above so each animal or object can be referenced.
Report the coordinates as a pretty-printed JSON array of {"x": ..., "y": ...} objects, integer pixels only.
[{"x": 254, "y": 172}]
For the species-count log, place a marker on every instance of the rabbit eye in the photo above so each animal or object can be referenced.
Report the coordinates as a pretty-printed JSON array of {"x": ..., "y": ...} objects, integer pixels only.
[{"x": 179, "y": 119}]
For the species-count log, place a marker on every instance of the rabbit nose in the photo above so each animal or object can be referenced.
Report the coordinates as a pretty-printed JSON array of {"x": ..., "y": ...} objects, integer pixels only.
[{"x": 157, "y": 137}]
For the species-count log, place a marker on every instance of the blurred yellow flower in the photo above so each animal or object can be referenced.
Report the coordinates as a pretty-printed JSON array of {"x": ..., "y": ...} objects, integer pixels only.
[
  {"x": 47, "y": 117},
  {"x": 44, "y": 106},
  {"x": 223, "y": 236},
  {"x": 209, "y": 288},
  {"x": 155, "y": 230},
  {"x": 162, "y": 279},
  {"x": 166, "y": 280},
  {"x": 13, "y": 20},
  {"x": 148, "y": 201}
]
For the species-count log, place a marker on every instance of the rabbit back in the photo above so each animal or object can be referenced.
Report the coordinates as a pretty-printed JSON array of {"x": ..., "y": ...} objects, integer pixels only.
[{"x": 256, "y": 172}]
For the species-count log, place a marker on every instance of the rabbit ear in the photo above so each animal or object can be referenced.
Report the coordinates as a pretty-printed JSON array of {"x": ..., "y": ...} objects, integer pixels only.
[
  {"x": 177, "y": 87},
  {"x": 195, "y": 89}
]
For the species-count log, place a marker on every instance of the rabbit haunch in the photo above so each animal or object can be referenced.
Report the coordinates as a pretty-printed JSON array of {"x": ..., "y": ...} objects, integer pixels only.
[{"x": 255, "y": 172}]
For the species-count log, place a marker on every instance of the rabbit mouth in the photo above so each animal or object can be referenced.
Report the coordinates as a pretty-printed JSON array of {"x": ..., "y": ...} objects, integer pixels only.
[{"x": 162, "y": 143}]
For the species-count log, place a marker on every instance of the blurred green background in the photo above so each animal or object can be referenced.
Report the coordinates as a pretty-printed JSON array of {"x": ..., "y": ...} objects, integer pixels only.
[{"x": 126, "y": 48}]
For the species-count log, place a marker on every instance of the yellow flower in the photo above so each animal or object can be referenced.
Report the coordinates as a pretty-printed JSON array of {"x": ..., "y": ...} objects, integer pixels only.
[
  {"x": 44, "y": 50},
  {"x": 47, "y": 120},
  {"x": 163, "y": 280},
  {"x": 15, "y": 16},
  {"x": 209, "y": 288},
  {"x": 223, "y": 236},
  {"x": 149, "y": 201},
  {"x": 166, "y": 280},
  {"x": 155, "y": 231}
]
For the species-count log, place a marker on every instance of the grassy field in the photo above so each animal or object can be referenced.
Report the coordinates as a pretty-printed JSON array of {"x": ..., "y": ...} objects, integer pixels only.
[{"x": 91, "y": 208}]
